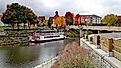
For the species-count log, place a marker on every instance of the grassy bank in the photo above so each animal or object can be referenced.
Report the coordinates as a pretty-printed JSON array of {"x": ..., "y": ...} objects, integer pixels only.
[
  {"x": 74, "y": 56},
  {"x": 72, "y": 33}
]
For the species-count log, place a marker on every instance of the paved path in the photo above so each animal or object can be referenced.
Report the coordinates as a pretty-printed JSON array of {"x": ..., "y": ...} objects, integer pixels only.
[{"x": 111, "y": 61}]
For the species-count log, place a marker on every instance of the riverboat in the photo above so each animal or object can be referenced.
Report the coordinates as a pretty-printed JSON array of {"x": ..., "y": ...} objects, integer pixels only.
[{"x": 46, "y": 36}]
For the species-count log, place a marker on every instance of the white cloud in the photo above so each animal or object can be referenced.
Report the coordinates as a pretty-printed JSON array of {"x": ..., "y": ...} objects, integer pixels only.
[{"x": 47, "y": 7}]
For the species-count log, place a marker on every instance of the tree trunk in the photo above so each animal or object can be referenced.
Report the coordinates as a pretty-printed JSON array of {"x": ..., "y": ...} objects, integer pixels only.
[
  {"x": 29, "y": 25},
  {"x": 18, "y": 25},
  {"x": 12, "y": 25}
]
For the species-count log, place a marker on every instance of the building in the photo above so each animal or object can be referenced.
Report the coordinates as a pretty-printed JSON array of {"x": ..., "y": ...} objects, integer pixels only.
[
  {"x": 118, "y": 21},
  {"x": 119, "y": 17},
  {"x": 41, "y": 18},
  {"x": 77, "y": 20},
  {"x": 1, "y": 23},
  {"x": 90, "y": 19}
]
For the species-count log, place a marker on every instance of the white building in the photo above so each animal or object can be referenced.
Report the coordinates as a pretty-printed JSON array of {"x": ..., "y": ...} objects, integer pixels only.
[
  {"x": 90, "y": 19},
  {"x": 1, "y": 23}
]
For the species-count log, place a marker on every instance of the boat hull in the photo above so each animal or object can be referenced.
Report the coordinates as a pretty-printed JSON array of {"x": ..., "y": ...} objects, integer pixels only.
[{"x": 42, "y": 41}]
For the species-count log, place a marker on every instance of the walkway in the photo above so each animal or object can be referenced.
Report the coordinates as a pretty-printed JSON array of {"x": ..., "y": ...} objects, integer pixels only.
[{"x": 102, "y": 56}]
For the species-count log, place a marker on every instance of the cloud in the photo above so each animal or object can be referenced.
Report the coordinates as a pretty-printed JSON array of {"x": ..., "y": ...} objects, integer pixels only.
[{"x": 47, "y": 7}]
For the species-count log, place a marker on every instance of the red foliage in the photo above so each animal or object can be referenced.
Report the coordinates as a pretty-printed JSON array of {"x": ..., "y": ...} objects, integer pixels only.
[
  {"x": 77, "y": 19},
  {"x": 70, "y": 15}
]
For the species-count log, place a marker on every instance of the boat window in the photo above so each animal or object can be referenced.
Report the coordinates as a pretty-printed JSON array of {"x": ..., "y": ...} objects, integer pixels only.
[{"x": 46, "y": 31}]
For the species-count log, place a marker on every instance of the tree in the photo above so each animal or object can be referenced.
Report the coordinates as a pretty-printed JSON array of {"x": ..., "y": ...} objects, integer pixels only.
[
  {"x": 68, "y": 21},
  {"x": 77, "y": 19},
  {"x": 17, "y": 14},
  {"x": 60, "y": 21},
  {"x": 69, "y": 18},
  {"x": 110, "y": 19},
  {"x": 50, "y": 21},
  {"x": 45, "y": 22}
]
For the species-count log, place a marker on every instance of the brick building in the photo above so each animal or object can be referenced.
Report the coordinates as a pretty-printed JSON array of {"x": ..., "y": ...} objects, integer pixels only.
[
  {"x": 41, "y": 18},
  {"x": 119, "y": 17}
]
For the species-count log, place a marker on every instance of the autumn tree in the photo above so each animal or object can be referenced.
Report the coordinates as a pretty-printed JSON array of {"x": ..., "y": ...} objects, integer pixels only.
[
  {"x": 77, "y": 19},
  {"x": 50, "y": 21},
  {"x": 45, "y": 22},
  {"x": 60, "y": 21},
  {"x": 17, "y": 14},
  {"x": 110, "y": 19},
  {"x": 69, "y": 18}
]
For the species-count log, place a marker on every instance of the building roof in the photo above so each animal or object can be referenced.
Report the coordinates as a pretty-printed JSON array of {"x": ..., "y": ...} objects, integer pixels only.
[
  {"x": 92, "y": 15},
  {"x": 41, "y": 17},
  {"x": 119, "y": 17}
]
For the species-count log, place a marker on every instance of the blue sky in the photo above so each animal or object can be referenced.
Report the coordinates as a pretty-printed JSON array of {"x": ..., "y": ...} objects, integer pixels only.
[{"x": 47, "y": 7}]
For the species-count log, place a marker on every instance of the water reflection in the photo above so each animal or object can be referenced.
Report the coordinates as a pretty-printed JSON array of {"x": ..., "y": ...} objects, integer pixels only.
[{"x": 29, "y": 56}]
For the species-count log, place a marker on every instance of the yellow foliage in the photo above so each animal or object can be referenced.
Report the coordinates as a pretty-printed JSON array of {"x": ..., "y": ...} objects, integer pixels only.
[
  {"x": 45, "y": 22},
  {"x": 60, "y": 21}
]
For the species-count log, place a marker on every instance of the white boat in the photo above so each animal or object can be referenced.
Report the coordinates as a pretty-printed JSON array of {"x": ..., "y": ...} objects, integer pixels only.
[{"x": 46, "y": 35}]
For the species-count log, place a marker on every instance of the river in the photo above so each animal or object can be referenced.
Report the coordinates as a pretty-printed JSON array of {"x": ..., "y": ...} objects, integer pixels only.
[{"x": 29, "y": 56}]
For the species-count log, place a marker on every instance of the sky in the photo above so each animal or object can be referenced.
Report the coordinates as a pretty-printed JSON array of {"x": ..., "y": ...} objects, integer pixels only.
[{"x": 48, "y": 7}]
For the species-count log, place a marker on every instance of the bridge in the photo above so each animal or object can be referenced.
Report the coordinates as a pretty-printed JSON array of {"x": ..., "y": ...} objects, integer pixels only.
[{"x": 108, "y": 28}]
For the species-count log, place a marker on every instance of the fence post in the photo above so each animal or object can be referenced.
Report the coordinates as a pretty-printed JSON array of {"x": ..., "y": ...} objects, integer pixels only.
[
  {"x": 98, "y": 42},
  {"x": 110, "y": 47},
  {"x": 91, "y": 40}
]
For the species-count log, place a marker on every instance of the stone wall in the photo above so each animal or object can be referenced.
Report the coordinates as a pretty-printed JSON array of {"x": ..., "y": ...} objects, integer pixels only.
[
  {"x": 117, "y": 49},
  {"x": 19, "y": 33},
  {"x": 5, "y": 40},
  {"x": 15, "y": 37},
  {"x": 104, "y": 43}
]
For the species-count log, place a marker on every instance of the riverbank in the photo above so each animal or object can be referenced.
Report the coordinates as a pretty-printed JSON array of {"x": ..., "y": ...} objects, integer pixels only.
[
  {"x": 20, "y": 36},
  {"x": 72, "y": 33},
  {"x": 15, "y": 37},
  {"x": 74, "y": 56}
]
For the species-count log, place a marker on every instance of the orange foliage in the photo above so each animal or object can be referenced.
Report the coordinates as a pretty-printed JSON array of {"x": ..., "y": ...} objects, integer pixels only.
[{"x": 60, "y": 21}]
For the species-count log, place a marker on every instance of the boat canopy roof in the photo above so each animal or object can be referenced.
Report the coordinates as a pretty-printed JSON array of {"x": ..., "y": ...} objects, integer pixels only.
[{"x": 46, "y": 31}]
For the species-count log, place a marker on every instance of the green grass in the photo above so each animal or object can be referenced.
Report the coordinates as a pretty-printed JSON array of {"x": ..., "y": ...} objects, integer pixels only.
[{"x": 10, "y": 27}]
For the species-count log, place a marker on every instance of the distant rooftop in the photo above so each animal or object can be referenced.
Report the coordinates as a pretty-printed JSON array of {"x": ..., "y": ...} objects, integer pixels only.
[{"x": 90, "y": 15}]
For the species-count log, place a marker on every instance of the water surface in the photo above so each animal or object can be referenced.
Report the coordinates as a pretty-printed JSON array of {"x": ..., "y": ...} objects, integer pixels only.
[{"x": 29, "y": 56}]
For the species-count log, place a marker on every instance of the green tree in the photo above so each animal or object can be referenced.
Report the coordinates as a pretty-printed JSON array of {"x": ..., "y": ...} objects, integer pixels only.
[
  {"x": 17, "y": 14},
  {"x": 68, "y": 21},
  {"x": 110, "y": 19},
  {"x": 69, "y": 18}
]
